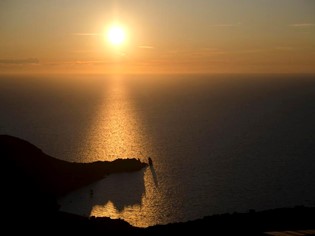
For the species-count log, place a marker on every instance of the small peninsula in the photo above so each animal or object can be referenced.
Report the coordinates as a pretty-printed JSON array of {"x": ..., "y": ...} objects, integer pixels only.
[{"x": 55, "y": 176}]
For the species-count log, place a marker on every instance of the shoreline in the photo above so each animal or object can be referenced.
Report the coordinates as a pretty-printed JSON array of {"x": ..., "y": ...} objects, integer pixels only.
[{"x": 34, "y": 180}]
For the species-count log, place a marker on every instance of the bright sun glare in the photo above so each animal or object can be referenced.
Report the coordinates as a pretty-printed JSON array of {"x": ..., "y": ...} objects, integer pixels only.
[{"x": 116, "y": 35}]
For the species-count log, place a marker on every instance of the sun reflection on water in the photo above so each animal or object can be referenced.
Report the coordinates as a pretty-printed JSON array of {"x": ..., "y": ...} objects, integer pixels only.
[{"x": 117, "y": 132}]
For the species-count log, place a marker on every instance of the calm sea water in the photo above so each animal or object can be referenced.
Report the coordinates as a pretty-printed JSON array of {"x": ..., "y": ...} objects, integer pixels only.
[{"x": 219, "y": 143}]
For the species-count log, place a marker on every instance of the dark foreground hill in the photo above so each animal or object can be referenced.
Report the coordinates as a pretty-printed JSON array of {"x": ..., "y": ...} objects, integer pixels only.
[{"x": 31, "y": 182}]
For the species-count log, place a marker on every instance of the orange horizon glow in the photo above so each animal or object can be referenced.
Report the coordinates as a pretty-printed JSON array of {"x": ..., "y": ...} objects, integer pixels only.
[{"x": 198, "y": 37}]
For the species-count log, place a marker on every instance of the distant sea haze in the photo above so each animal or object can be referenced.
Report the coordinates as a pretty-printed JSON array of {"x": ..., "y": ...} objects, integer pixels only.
[{"x": 219, "y": 143}]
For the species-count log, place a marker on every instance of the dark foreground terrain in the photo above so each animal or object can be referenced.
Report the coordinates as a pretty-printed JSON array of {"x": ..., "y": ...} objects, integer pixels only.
[{"x": 32, "y": 181}]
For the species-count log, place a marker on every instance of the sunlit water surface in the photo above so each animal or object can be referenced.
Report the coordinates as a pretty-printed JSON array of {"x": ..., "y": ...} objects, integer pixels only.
[{"x": 219, "y": 144}]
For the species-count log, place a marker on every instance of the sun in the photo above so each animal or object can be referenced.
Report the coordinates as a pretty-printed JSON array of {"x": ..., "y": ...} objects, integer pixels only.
[{"x": 116, "y": 35}]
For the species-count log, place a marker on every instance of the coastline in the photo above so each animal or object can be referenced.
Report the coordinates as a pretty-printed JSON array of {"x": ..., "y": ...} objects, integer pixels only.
[{"x": 35, "y": 180}]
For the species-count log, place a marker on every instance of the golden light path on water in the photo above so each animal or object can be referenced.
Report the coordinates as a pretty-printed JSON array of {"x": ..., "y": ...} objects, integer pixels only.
[
  {"x": 118, "y": 132},
  {"x": 115, "y": 132}
]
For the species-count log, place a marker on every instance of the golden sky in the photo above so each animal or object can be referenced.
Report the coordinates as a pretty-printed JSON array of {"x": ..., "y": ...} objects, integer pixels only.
[{"x": 177, "y": 36}]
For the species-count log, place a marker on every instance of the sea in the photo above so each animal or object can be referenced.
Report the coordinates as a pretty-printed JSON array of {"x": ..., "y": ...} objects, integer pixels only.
[{"x": 220, "y": 143}]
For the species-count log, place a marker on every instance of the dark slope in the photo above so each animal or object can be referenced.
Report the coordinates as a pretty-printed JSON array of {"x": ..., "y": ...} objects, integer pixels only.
[
  {"x": 31, "y": 181},
  {"x": 53, "y": 175}
]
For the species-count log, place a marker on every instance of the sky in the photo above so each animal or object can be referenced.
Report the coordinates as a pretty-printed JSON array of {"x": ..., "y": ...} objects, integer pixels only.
[{"x": 177, "y": 36}]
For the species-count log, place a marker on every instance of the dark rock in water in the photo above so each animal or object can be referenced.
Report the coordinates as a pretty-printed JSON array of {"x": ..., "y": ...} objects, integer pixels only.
[{"x": 150, "y": 161}]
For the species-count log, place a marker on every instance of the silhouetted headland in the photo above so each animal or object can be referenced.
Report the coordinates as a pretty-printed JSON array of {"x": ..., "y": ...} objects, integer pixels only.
[
  {"x": 31, "y": 181},
  {"x": 56, "y": 176}
]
